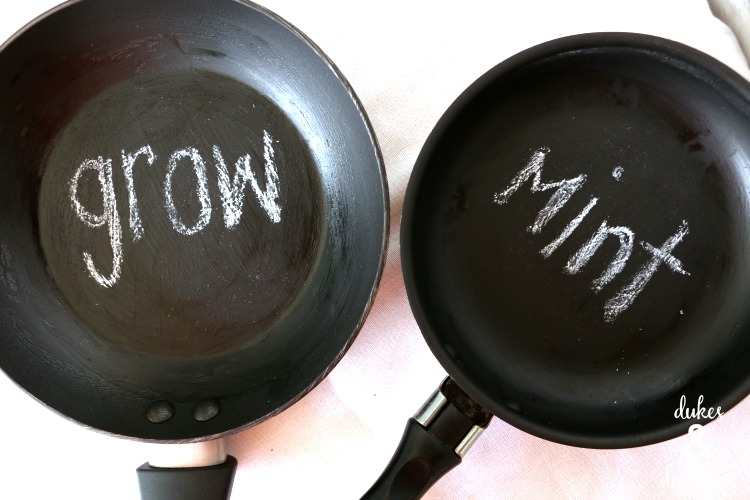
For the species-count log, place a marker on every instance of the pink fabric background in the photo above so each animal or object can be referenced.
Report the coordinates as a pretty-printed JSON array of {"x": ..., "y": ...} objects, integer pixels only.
[{"x": 407, "y": 61}]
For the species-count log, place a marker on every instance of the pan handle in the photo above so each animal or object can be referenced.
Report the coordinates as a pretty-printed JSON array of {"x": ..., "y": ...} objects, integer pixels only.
[
  {"x": 187, "y": 483},
  {"x": 192, "y": 471},
  {"x": 434, "y": 441}
]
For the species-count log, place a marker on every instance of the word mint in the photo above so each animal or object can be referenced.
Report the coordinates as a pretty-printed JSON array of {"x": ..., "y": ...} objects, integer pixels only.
[{"x": 562, "y": 191}]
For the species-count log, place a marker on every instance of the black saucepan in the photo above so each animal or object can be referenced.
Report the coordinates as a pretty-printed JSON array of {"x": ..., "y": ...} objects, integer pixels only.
[
  {"x": 575, "y": 250},
  {"x": 194, "y": 215}
]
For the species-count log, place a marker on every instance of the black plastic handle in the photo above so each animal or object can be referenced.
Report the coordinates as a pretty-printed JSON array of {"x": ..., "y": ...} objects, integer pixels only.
[
  {"x": 188, "y": 483},
  {"x": 433, "y": 443},
  {"x": 420, "y": 460}
]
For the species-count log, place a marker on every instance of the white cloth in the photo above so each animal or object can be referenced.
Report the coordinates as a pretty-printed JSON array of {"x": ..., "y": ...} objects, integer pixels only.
[{"x": 407, "y": 61}]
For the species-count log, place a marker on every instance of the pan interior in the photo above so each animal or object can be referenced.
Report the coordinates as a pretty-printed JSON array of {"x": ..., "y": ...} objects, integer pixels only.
[
  {"x": 180, "y": 214},
  {"x": 575, "y": 240}
]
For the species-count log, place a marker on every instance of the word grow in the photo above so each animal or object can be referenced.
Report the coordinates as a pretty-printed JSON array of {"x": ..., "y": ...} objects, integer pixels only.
[{"x": 231, "y": 190}]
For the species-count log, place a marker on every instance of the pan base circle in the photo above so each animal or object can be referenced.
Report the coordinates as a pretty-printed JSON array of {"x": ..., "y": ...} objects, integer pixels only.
[{"x": 180, "y": 214}]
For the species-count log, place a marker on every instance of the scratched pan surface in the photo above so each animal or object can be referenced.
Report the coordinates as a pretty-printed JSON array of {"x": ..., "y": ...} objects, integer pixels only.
[
  {"x": 194, "y": 215},
  {"x": 575, "y": 242}
]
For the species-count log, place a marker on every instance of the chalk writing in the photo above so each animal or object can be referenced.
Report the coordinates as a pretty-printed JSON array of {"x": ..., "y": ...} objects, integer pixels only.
[
  {"x": 128, "y": 162},
  {"x": 186, "y": 161},
  {"x": 232, "y": 194},
  {"x": 564, "y": 190},
  {"x": 572, "y": 226},
  {"x": 627, "y": 295},
  {"x": 110, "y": 217},
  {"x": 199, "y": 168},
  {"x": 582, "y": 257}
]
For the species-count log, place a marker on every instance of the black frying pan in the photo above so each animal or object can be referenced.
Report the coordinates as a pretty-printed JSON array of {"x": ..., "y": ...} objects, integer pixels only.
[
  {"x": 194, "y": 215},
  {"x": 575, "y": 250}
]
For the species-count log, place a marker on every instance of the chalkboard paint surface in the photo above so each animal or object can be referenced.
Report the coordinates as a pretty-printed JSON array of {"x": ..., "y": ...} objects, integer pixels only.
[
  {"x": 169, "y": 202},
  {"x": 575, "y": 235}
]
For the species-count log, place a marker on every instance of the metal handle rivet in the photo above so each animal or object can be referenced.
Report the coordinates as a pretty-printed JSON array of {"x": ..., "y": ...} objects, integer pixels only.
[
  {"x": 206, "y": 410},
  {"x": 159, "y": 412}
]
